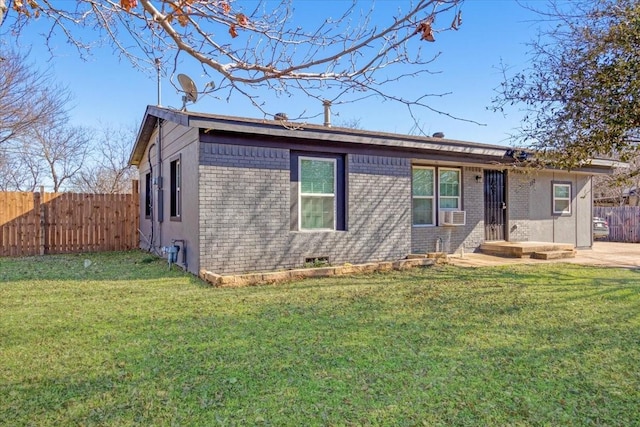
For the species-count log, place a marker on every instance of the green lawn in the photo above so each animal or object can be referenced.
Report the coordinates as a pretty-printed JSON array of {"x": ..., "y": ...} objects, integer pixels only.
[{"x": 124, "y": 341}]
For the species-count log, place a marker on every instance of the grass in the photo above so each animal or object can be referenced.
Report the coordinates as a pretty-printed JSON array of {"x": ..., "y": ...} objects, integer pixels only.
[{"x": 124, "y": 341}]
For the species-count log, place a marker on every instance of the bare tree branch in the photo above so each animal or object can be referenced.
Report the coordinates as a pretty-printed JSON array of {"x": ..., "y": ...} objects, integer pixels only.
[
  {"x": 28, "y": 97},
  {"x": 63, "y": 150},
  {"x": 108, "y": 170},
  {"x": 49, "y": 155},
  {"x": 263, "y": 47}
]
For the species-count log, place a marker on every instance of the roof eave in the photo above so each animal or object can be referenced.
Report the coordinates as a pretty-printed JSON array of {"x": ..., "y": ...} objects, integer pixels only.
[
  {"x": 608, "y": 163},
  {"x": 149, "y": 122},
  {"x": 357, "y": 138},
  {"x": 295, "y": 131}
]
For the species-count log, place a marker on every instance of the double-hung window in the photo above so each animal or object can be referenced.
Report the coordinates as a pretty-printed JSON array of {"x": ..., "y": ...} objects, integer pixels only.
[
  {"x": 317, "y": 202},
  {"x": 449, "y": 189},
  {"x": 434, "y": 189},
  {"x": 423, "y": 196},
  {"x": 561, "y": 198}
]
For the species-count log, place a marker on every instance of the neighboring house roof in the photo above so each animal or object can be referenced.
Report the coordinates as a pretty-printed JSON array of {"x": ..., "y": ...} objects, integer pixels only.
[
  {"x": 470, "y": 151},
  {"x": 624, "y": 196}
]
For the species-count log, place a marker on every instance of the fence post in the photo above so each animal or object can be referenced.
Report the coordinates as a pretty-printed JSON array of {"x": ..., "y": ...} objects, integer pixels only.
[
  {"x": 135, "y": 206},
  {"x": 43, "y": 228},
  {"x": 38, "y": 209}
]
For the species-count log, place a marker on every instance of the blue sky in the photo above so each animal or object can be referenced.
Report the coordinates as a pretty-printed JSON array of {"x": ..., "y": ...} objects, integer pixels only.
[{"x": 109, "y": 90}]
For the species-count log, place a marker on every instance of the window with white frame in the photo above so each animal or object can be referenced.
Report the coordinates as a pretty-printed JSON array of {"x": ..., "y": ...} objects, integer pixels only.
[
  {"x": 317, "y": 203},
  {"x": 449, "y": 189},
  {"x": 434, "y": 189},
  {"x": 423, "y": 195},
  {"x": 561, "y": 198}
]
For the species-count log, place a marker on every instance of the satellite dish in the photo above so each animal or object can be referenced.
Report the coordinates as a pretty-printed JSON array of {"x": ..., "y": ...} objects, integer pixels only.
[{"x": 189, "y": 89}]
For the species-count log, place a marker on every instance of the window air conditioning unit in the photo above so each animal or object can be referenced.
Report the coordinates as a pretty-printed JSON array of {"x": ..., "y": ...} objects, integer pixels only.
[{"x": 453, "y": 217}]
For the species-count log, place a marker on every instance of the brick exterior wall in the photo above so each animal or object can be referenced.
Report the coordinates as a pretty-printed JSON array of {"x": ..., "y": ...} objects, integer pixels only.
[
  {"x": 244, "y": 207},
  {"x": 519, "y": 214},
  {"x": 473, "y": 199},
  {"x": 379, "y": 208},
  {"x": 245, "y": 203},
  {"x": 453, "y": 238},
  {"x": 245, "y": 221},
  {"x": 471, "y": 236},
  {"x": 239, "y": 199}
]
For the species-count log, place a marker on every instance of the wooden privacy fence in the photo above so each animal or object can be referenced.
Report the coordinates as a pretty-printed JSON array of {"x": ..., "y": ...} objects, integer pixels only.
[
  {"x": 624, "y": 222},
  {"x": 53, "y": 223}
]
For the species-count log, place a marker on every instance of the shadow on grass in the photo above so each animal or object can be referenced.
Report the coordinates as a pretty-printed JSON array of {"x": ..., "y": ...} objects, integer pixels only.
[
  {"x": 108, "y": 266},
  {"x": 297, "y": 363},
  {"x": 445, "y": 346}
]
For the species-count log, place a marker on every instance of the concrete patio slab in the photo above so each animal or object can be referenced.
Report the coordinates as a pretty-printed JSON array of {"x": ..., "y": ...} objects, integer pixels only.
[{"x": 605, "y": 254}]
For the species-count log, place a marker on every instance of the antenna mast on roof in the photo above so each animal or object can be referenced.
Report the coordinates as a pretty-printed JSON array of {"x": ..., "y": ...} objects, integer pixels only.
[{"x": 158, "y": 71}]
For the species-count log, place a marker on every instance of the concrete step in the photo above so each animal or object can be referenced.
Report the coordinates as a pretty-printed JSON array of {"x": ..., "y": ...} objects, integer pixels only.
[
  {"x": 521, "y": 249},
  {"x": 561, "y": 254},
  {"x": 438, "y": 257}
]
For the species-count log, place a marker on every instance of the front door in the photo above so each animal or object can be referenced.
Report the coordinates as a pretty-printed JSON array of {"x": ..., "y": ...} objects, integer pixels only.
[{"x": 495, "y": 205}]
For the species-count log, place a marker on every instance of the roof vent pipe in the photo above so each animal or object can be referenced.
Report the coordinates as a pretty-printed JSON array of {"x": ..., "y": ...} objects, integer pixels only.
[
  {"x": 327, "y": 112},
  {"x": 438, "y": 135}
]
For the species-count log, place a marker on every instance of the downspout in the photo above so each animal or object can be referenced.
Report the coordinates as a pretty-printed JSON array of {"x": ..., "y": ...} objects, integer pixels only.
[
  {"x": 160, "y": 189},
  {"x": 152, "y": 207}
]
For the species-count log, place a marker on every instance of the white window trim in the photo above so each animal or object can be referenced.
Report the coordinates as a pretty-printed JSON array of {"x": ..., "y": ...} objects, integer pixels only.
[
  {"x": 437, "y": 196},
  {"x": 459, "y": 197},
  {"x": 568, "y": 199},
  {"x": 301, "y": 194},
  {"x": 433, "y": 198}
]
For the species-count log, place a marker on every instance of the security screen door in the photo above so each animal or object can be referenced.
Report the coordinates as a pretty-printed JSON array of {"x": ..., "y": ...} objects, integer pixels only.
[{"x": 495, "y": 206}]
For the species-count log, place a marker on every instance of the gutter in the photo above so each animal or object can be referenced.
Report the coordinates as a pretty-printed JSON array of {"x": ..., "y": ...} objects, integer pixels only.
[{"x": 298, "y": 133}]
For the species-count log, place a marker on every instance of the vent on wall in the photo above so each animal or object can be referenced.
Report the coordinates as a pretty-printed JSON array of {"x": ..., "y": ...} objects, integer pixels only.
[
  {"x": 453, "y": 217},
  {"x": 321, "y": 261}
]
